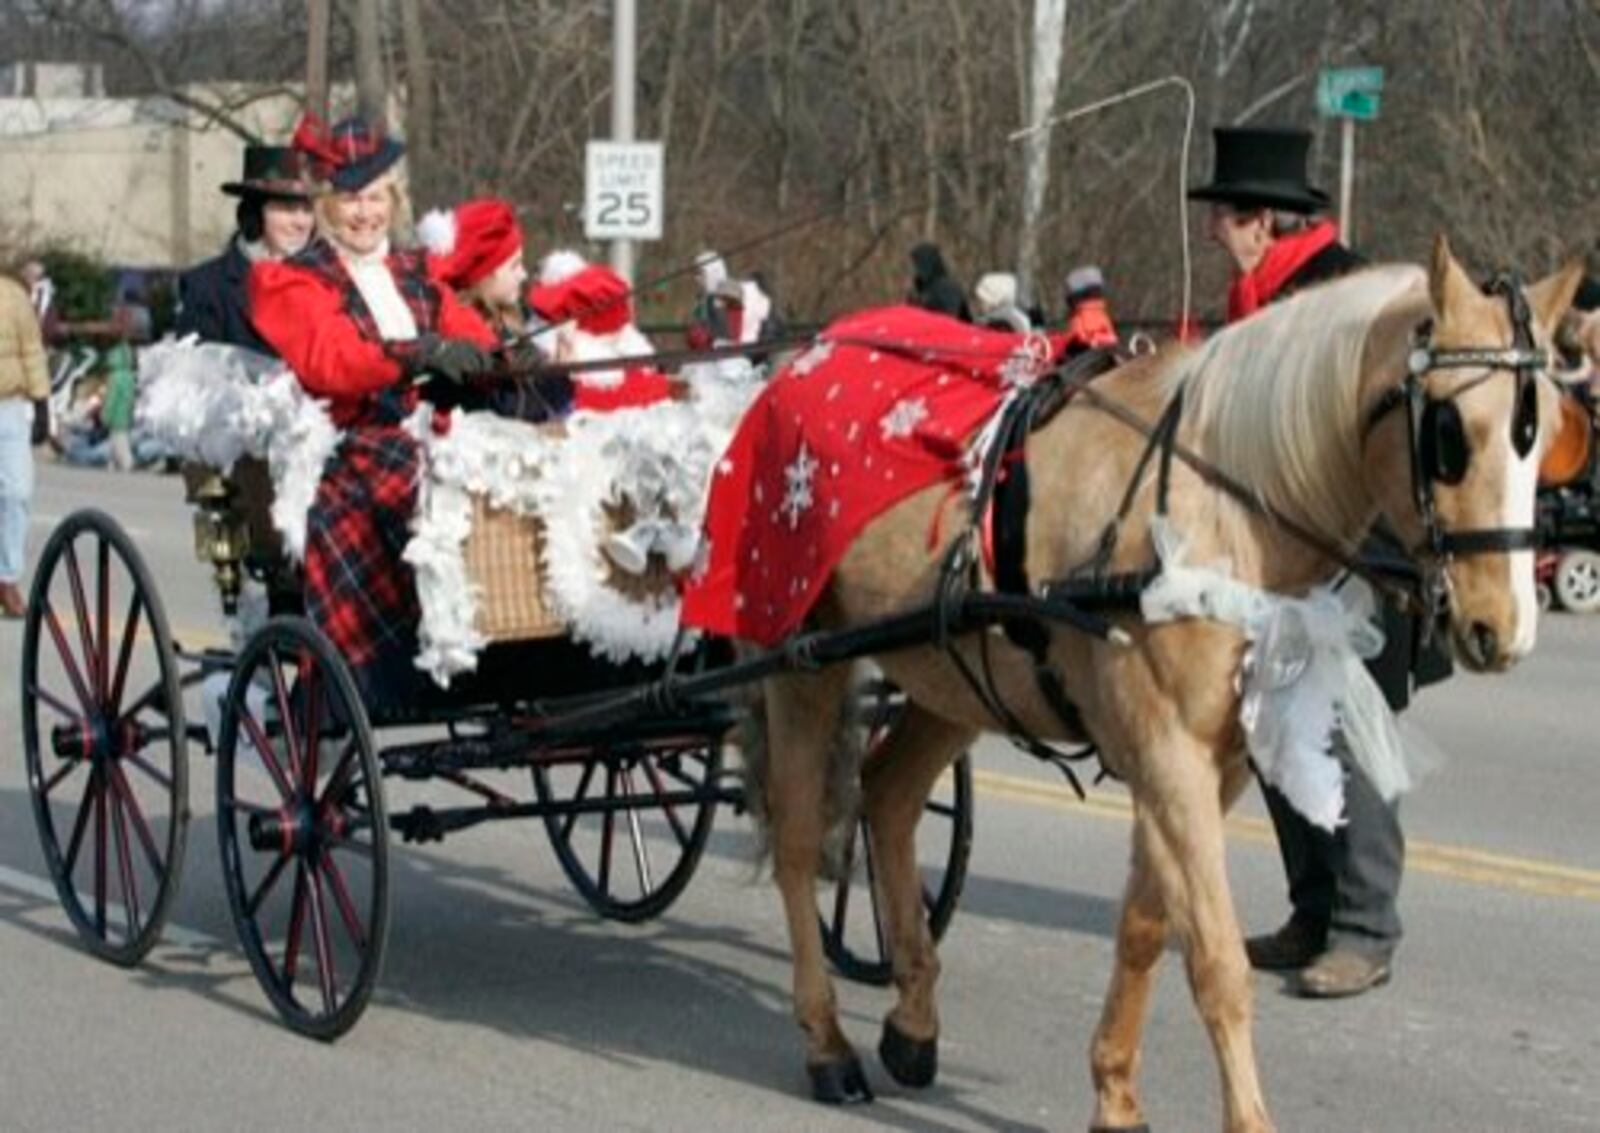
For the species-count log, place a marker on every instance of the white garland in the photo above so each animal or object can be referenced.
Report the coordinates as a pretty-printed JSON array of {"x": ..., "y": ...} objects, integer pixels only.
[
  {"x": 1301, "y": 677},
  {"x": 212, "y": 403}
]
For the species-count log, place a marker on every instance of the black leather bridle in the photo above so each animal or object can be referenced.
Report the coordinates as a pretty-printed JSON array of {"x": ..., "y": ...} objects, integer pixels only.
[{"x": 1441, "y": 451}]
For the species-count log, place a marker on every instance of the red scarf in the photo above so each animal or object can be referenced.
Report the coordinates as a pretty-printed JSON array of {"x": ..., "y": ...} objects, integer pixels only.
[{"x": 1288, "y": 254}]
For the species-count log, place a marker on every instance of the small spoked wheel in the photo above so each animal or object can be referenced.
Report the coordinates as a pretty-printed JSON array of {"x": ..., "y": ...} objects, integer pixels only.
[
  {"x": 104, "y": 736},
  {"x": 629, "y": 823},
  {"x": 854, "y": 931},
  {"x": 1577, "y": 581},
  {"x": 304, "y": 836}
]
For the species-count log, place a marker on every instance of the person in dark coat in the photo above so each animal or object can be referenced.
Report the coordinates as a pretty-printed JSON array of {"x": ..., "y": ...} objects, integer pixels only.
[
  {"x": 1343, "y": 886},
  {"x": 275, "y": 222},
  {"x": 932, "y": 286}
]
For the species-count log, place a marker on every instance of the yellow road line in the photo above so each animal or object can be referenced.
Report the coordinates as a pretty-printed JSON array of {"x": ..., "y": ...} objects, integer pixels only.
[{"x": 1460, "y": 863}]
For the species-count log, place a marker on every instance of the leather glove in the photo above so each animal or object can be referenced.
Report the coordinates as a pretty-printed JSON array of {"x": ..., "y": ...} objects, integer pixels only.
[
  {"x": 41, "y": 421},
  {"x": 455, "y": 360}
]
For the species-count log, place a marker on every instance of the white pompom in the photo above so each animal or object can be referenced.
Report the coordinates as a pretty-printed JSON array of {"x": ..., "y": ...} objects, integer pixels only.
[
  {"x": 437, "y": 232},
  {"x": 560, "y": 264}
]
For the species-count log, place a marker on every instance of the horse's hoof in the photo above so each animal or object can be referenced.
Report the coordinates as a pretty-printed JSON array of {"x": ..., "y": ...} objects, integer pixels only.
[
  {"x": 1139, "y": 1128},
  {"x": 911, "y": 1062},
  {"x": 840, "y": 1082}
]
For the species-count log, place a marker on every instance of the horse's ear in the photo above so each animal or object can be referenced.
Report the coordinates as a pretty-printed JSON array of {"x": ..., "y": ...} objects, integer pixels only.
[
  {"x": 1449, "y": 286},
  {"x": 1551, "y": 297}
]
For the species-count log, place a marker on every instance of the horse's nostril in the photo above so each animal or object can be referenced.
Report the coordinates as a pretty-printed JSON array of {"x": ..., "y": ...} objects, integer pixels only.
[{"x": 1485, "y": 642}]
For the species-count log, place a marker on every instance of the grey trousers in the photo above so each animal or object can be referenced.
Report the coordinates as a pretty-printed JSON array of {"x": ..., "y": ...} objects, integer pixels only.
[{"x": 1346, "y": 881}]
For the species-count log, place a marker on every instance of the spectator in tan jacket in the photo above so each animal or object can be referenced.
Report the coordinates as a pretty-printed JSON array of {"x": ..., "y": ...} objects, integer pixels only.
[{"x": 24, "y": 422}]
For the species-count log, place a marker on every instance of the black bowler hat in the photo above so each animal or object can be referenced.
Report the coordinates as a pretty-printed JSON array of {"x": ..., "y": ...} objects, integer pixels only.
[
  {"x": 1262, "y": 167},
  {"x": 270, "y": 171}
]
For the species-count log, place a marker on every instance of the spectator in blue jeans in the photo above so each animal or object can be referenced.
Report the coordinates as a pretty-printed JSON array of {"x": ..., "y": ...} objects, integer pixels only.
[{"x": 24, "y": 422}]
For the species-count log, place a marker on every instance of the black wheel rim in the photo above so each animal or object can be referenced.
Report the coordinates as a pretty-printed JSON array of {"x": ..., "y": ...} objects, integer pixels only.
[
  {"x": 628, "y": 825},
  {"x": 104, "y": 736},
  {"x": 303, "y": 830},
  {"x": 854, "y": 931}
]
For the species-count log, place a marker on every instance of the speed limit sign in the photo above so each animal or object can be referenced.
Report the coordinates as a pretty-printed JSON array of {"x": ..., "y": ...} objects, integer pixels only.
[{"x": 622, "y": 194}]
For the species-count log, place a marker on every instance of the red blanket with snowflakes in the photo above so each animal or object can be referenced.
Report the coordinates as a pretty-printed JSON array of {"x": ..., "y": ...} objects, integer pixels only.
[{"x": 881, "y": 407}]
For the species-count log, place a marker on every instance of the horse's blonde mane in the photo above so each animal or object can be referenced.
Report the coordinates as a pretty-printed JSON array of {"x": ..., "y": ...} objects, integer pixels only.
[{"x": 1274, "y": 400}]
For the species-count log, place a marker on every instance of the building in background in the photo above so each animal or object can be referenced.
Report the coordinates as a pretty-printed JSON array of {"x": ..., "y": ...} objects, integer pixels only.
[{"x": 129, "y": 181}]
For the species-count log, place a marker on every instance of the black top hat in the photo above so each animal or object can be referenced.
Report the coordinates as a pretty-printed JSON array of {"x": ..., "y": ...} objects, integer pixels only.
[
  {"x": 1262, "y": 168},
  {"x": 270, "y": 171}
]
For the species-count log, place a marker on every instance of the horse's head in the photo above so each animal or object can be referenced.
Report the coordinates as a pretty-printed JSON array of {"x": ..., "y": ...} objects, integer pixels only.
[{"x": 1452, "y": 451}]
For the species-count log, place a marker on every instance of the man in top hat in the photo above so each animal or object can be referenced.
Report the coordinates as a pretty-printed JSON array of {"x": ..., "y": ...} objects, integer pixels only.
[
  {"x": 274, "y": 222},
  {"x": 1267, "y": 217},
  {"x": 1341, "y": 936}
]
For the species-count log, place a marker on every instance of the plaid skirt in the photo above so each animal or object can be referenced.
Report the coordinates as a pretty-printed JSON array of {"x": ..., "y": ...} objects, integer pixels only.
[{"x": 359, "y": 590}]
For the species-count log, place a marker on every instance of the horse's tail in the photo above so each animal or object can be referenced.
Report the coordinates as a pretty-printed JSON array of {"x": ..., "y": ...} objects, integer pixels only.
[{"x": 841, "y": 800}]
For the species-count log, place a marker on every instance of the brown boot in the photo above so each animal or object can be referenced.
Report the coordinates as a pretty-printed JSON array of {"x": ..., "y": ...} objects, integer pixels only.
[
  {"x": 1341, "y": 972},
  {"x": 12, "y": 603},
  {"x": 1293, "y": 946}
]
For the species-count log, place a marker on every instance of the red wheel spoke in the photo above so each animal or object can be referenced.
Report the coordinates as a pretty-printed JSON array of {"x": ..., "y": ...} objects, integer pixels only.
[
  {"x": 102, "y": 653},
  {"x": 341, "y": 897},
  {"x": 667, "y": 808},
  {"x": 297, "y": 922},
  {"x": 75, "y": 577},
  {"x": 280, "y": 693},
  {"x": 263, "y": 746},
  {"x": 319, "y": 935},
  {"x": 577, "y": 796},
  {"x": 608, "y": 829},
  {"x": 267, "y": 882},
  {"x": 138, "y": 761},
  {"x": 65, "y": 653},
  {"x": 85, "y": 806},
  {"x": 309, "y": 694},
  {"x": 100, "y": 854},
  {"x": 55, "y": 780},
  {"x": 130, "y": 804},
  {"x": 130, "y": 884},
  {"x": 62, "y": 707},
  {"x": 130, "y": 627},
  {"x": 340, "y": 779}
]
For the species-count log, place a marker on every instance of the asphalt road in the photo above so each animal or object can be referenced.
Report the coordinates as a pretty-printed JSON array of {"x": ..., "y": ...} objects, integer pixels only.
[{"x": 506, "y": 1004}]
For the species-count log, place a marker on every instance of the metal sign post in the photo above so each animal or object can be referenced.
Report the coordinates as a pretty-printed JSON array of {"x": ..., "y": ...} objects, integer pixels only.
[
  {"x": 1352, "y": 94},
  {"x": 624, "y": 36}
]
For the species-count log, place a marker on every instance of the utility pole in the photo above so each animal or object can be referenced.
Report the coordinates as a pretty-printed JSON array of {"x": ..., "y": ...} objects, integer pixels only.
[
  {"x": 1347, "y": 178},
  {"x": 624, "y": 41},
  {"x": 1044, "y": 72},
  {"x": 317, "y": 57}
]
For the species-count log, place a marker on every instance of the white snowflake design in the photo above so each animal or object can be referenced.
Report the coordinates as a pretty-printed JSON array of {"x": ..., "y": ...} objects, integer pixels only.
[
  {"x": 903, "y": 419},
  {"x": 1026, "y": 363},
  {"x": 798, "y": 496},
  {"x": 811, "y": 359}
]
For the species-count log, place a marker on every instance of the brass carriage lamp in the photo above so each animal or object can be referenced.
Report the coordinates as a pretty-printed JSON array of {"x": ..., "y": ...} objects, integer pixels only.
[{"x": 221, "y": 537}]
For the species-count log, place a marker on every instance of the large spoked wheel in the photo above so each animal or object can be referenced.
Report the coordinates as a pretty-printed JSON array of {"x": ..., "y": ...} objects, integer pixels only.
[
  {"x": 304, "y": 836},
  {"x": 629, "y": 823},
  {"x": 856, "y": 937},
  {"x": 104, "y": 736}
]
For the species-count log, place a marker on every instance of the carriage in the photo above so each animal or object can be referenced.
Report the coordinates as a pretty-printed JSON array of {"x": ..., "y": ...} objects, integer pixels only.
[{"x": 306, "y": 771}]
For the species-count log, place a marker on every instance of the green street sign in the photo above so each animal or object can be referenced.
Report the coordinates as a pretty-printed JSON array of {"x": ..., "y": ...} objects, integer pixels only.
[{"x": 1350, "y": 92}]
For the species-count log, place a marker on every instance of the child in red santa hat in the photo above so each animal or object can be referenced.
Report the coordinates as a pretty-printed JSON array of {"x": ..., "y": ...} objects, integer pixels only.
[
  {"x": 590, "y": 309},
  {"x": 477, "y": 250}
]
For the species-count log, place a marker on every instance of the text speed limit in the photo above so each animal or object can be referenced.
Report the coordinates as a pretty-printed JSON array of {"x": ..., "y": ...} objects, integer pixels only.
[{"x": 622, "y": 198}]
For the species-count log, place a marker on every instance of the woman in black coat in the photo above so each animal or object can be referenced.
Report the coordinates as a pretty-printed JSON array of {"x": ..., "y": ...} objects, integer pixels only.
[{"x": 275, "y": 222}]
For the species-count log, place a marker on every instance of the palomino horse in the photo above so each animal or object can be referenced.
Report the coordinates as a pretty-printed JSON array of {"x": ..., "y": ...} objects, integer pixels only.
[{"x": 1293, "y": 402}]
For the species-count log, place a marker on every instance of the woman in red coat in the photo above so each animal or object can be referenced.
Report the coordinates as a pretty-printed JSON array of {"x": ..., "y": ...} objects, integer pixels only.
[{"x": 359, "y": 322}]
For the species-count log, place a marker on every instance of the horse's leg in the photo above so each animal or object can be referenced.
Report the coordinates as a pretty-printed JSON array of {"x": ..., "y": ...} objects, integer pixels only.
[
  {"x": 803, "y": 713},
  {"x": 1141, "y": 936},
  {"x": 1182, "y": 790},
  {"x": 897, "y": 781}
]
